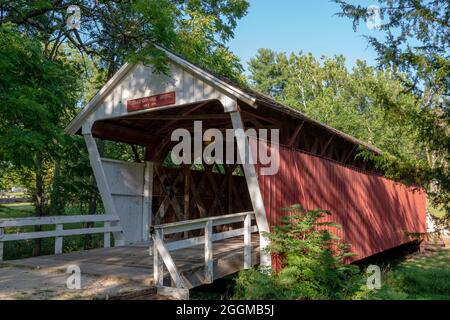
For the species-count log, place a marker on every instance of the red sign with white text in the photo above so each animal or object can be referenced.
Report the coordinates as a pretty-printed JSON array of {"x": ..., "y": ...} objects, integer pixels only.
[{"x": 158, "y": 100}]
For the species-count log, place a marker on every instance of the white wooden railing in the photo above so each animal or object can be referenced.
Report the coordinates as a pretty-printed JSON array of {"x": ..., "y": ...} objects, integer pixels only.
[
  {"x": 110, "y": 224},
  {"x": 161, "y": 249}
]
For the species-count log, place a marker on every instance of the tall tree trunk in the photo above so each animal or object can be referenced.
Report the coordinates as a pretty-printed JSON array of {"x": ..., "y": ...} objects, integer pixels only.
[
  {"x": 57, "y": 201},
  {"x": 38, "y": 198}
]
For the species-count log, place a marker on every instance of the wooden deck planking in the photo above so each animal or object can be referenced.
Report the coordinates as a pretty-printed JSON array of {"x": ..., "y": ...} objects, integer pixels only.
[{"x": 134, "y": 264}]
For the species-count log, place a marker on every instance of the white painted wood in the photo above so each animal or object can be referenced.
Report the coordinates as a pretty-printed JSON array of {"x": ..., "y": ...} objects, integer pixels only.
[
  {"x": 188, "y": 225},
  {"x": 124, "y": 178},
  {"x": 76, "y": 123},
  {"x": 209, "y": 272},
  {"x": 127, "y": 163},
  {"x": 107, "y": 236},
  {"x": 158, "y": 271},
  {"x": 58, "y": 240},
  {"x": 178, "y": 80},
  {"x": 126, "y": 183},
  {"x": 102, "y": 184},
  {"x": 189, "y": 82},
  {"x": 232, "y": 90},
  {"x": 232, "y": 233},
  {"x": 174, "y": 293},
  {"x": 147, "y": 200},
  {"x": 1, "y": 244},
  {"x": 168, "y": 261},
  {"x": 248, "y": 242},
  {"x": 58, "y": 233},
  {"x": 191, "y": 242},
  {"x": 253, "y": 186},
  {"x": 36, "y": 221}
]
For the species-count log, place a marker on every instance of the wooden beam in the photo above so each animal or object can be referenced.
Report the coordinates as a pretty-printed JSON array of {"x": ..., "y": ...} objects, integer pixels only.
[
  {"x": 253, "y": 187},
  {"x": 347, "y": 156},
  {"x": 209, "y": 272},
  {"x": 248, "y": 242},
  {"x": 260, "y": 117},
  {"x": 168, "y": 261},
  {"x": 170, "y": 123},
  {"x": 102, "y": 184},
  {"x": 147, "y": 200},
  {"x": 178, "y": 117},
  {"x": 123, "y": 134},
  {"x": 295, "y": 134},
  {"x": 325, "y": 147}
]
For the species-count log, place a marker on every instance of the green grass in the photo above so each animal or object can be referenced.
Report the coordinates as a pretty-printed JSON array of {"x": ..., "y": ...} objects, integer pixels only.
[
  {"x": 16, "y": 210},
  {"x": 421, "y": 278}
]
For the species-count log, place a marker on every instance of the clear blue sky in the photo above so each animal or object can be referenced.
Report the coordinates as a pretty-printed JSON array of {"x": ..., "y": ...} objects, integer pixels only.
[{"x": 307, "y": 25}]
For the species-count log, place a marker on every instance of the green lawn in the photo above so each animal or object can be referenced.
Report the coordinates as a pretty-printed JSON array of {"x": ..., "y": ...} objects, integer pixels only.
[
  {"x": 421, "y": 278},
  {"x": 16, "y": 210}
]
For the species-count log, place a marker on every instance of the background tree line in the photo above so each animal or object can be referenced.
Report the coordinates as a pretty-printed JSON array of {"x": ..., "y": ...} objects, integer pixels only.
[{"x": 48, "y": 71}]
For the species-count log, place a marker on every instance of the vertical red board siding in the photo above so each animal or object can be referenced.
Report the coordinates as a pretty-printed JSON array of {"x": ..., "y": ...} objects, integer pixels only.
[{"x": 375, "y": 213}]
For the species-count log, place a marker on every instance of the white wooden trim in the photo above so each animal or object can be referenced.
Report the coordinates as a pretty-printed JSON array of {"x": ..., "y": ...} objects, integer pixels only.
[
  {"x": 192, "y": 242},
  {"x": 102, "y": 184},
  {"x": 128, "y": 163},
  {"x": 158, "y": 272},
  {"x": 209, "y": 272},
  {"x": 59, "y": 239},
  {"x": 77, "y": 122},
  {"x": 107, "y": 235},
  {"x": 1, "y": 244},
  {"x": 168, "y": 261},
  {"x": 188, "y": 225},
  {"x": 248, "y": 242},
  {"x": 59, "y": 233},
  {"x": 214, "y": 81},
  {"x": 147, "y": 200},
  {"x": 36, "y": 221},
  {"x": 253, "y": 186}
]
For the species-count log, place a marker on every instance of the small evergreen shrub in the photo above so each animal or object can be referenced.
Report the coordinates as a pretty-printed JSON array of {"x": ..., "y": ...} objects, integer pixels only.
[{"x": 312, "y": 262}]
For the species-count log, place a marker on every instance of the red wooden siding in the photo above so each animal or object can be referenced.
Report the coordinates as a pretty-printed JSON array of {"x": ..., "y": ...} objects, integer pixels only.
[{"x": 374, "y": 212}]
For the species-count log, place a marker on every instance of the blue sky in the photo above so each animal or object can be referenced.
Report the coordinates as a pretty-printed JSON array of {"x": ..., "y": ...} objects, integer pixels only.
[{"x": 294, "y": 25}]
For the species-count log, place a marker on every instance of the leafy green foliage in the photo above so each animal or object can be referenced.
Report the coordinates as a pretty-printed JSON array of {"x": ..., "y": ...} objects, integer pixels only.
[
  {"x": 414, "y": 39},
  {"x": 115, "y": 31},
  {"x": 352, "y": 101},
  {"x": 312, "y": 262},
  {"x": 35, "y": 95}
]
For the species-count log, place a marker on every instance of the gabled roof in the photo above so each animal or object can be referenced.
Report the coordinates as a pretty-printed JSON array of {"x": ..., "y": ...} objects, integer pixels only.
[{"x": 242, "y": 93}]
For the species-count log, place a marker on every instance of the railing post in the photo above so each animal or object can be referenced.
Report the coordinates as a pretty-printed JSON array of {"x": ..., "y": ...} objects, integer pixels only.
[
  {"x": 107, "y": 235},
  {"x": 248, "y": 241},
  {"x": 1, "y": 244},
  {"x": 158, "y": 271},
  {"x": 58, "y": 239},
  {"x": 209, "y": 275}
]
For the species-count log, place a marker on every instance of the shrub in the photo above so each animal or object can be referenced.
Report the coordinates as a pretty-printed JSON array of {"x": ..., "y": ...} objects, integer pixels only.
[{"x": 312, "y": 262}]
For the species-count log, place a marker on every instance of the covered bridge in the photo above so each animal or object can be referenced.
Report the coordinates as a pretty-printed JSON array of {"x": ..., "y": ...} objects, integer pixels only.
[{"x": 186, "y": 205}]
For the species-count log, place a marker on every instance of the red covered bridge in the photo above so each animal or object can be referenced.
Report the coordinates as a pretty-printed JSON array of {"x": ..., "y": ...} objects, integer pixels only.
[{"x": 204, "y": 219}]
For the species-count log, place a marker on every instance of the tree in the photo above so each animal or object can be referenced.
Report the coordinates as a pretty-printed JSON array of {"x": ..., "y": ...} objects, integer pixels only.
[
  {"x": 414, "y": 40},
  {"x": 352, "y": 101},
  {"x": 312, "y": 262},
  {"x": 118, "y": 30},
  {"x": 36, "y": 96}
]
